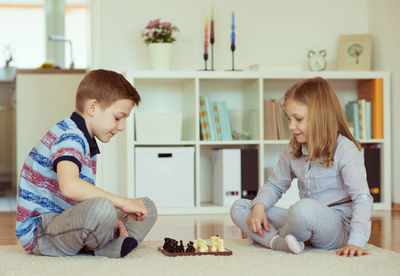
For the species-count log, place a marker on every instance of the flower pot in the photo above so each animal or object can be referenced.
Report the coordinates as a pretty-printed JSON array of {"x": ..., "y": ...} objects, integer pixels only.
[{"x": 160, "y": 56}]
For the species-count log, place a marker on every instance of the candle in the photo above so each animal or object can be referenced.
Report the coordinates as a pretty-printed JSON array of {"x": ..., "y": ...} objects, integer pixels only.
[
  {"x": 233, "y": 29},
  {"x": 212, "y": 38},
  {"x": 206, "y": 37}
]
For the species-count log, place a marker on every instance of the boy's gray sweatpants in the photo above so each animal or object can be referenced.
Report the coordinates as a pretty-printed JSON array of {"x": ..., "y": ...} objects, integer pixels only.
[
  {"x": 89, "y": 225},
  {"x": 307, "y": 220}
]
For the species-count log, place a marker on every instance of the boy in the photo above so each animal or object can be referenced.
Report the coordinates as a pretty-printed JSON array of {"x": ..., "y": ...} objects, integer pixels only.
[{"x": 60, "y": 210}]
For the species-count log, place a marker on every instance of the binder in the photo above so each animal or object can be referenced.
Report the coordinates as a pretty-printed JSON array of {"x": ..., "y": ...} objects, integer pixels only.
[
  {"x": 249, "y": 165},
  {"x": 226, "y": 176},
  {"x": 372, "y": 161}
]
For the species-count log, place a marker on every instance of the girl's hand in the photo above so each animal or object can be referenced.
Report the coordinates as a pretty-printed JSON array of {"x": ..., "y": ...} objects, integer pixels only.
[
  {"x": 351, "y": 250},
  {"x": 134, "y": 208},
  {"x": 122, "y": 229},
  {"x": 258, "y": 219}
]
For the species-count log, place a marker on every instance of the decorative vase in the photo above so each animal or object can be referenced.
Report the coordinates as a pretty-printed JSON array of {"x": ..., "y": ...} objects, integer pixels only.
[{"x": 160, "y": 56}]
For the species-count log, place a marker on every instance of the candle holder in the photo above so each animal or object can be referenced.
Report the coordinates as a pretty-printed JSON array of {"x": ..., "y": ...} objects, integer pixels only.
[
  {"x": 212, "y": 53},
  {"x": 212, "y": 37},
  {"x": 205, "y": 57},
  {"x": 233, "y": 48}
]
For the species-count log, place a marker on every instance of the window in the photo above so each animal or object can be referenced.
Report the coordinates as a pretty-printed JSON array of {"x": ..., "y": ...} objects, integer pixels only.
[
  {"x": 75, "y": 29},
  {"x": 22, "y": 29},
  {"x": 23, "y": 32}
]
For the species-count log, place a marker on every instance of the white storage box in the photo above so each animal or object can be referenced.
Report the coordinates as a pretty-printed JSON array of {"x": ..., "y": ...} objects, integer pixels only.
[
  {"x": 165, "y": 175},
  {"x": 158, "y": 126},
  {"x": 227, "y": 176}
]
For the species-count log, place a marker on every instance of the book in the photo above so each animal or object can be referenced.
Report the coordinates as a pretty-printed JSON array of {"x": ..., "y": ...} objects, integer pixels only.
[
  {"x": 265, "y": 103},
  {"x": 227, "y": 122},
  {"x": 368, "y": 119},
  {"x": 362, "y": 119},
  {"x": 270, "y": 126},
  {"x": 352, "y": 116},
  {"x": 372, "y": 90},
  {"x": 217, "y": 121},
  {"x": 223, "y": 114},
  {"x": 211, "y": 120},
  {"x": 204, "y": 124},
  {"x": 279, "y": 121}
]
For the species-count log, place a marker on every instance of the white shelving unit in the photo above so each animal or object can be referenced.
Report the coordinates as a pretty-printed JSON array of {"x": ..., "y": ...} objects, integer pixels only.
[{"x": 244, "y": 92}]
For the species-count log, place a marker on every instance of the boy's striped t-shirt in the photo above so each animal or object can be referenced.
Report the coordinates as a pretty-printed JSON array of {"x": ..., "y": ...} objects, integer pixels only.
[{"x": 39, "y": 192}]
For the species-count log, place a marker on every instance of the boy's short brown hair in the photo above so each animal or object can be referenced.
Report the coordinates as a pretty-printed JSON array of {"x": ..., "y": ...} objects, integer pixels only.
[{"x": 106, "y": 87}]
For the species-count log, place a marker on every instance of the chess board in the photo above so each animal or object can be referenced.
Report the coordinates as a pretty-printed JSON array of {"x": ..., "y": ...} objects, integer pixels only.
[{"x": 227, "y": 252}]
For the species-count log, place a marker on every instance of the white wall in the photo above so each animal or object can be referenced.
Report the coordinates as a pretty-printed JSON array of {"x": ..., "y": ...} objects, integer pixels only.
[
  {"x": 384, "y": 25},
  {"x": 270, "y": 32}
]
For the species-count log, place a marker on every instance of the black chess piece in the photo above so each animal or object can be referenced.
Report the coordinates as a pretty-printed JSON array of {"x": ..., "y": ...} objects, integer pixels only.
[
  {"x": 190, "y": 247},
  {"x": 181, "y": 247},
  {"x": 166, "y": 243},
  {"x": 170, "y": 245}
]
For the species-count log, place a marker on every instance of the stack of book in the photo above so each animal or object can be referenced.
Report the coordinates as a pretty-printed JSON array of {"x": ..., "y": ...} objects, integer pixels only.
[
  {"x": 359, "y": 114},
  {"x": 273, "y": 122},
  {"x": 214, "y": 121},
  {"x": 366, "y": 113}
]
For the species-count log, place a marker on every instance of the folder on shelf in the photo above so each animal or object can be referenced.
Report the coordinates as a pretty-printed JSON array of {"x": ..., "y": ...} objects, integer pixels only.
[
  {"x": 372, "y": 161},
  {"x": 226, "y": 176},
  {"x": 249, "y": 164},
  {"x": 372, "y": 90}
]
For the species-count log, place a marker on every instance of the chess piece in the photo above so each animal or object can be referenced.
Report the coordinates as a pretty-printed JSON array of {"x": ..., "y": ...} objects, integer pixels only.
[
  {"x": 181, "y": 248},
  {"x": 190, "y": 247}
]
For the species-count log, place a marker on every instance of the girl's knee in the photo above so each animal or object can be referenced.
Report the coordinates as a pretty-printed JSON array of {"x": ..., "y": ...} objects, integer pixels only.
[
  {"x": 304, "y": 208},
  {"x": 240, "y": 210},
  {"x": 241, "y": 204}
]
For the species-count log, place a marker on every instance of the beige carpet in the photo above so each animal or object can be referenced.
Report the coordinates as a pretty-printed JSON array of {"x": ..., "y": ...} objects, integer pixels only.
[{"x": 246, "y": 260}]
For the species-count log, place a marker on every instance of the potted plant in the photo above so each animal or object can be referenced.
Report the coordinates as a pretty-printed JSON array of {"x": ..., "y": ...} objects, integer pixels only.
[{"x": 159, "y": 37}]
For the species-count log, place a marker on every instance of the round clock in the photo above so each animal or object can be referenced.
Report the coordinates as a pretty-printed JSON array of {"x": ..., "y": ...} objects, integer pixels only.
[{"x": 317, "y": 60}]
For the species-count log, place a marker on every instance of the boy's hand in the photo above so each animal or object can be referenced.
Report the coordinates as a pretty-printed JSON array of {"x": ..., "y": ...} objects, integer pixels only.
[
  {"x": 258, "y": 219},
  {"x": 351, "y": 250},
  {"x": 134, "y": 208},
  {"x": 122, "y": 229}
]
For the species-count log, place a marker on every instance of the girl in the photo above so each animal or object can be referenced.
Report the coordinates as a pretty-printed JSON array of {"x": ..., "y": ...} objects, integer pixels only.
[{"x": 335, "y": 204}]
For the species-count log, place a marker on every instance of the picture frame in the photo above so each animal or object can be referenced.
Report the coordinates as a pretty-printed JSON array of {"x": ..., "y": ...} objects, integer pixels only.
[{"x": 355, "y": 52}]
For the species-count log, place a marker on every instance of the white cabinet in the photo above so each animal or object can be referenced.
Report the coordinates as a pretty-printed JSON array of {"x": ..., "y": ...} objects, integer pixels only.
[
  {"x": 243, "y": 92},
  {"x": 43, "y": 98},
  {"x": 166, "y": 175}
]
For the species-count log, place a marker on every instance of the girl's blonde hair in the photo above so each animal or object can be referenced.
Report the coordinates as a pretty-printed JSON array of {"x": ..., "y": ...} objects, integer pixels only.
[{"x": 326, "y": 119}]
